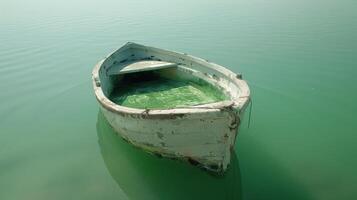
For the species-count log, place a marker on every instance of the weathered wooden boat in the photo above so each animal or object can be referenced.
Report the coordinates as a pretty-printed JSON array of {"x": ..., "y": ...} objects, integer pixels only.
[{"x": 202, "y": 134}]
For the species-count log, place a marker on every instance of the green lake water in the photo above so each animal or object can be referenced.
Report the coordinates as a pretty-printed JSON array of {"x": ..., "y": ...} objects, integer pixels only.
[{"x": 299, "y": 58}]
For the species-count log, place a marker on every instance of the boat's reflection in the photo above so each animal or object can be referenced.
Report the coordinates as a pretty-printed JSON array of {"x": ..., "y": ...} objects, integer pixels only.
[{"x": 144, "y": 176}]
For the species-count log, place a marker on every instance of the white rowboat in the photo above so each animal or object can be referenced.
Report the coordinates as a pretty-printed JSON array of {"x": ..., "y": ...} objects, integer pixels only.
[{"x": 202, "y": 134}]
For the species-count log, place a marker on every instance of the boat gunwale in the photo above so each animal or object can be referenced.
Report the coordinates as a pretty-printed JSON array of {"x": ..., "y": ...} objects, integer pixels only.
[{"x": 239, "y": 103}]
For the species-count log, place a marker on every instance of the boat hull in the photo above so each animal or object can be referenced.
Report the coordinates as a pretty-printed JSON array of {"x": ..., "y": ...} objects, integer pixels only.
[{"x": 203, "y": 139}]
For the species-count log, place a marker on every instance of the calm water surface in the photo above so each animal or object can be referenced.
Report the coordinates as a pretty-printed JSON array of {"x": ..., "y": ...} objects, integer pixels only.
[{"x": 299, "y": 58}]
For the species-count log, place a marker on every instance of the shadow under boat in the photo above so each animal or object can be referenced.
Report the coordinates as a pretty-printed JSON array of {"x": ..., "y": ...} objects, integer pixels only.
[{"x": 144, "y": 176}]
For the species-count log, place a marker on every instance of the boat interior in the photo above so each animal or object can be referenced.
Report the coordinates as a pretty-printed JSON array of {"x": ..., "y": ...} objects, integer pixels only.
[
  {"x": 134, "y": 72},
  {"x": 161, "y": 85}
]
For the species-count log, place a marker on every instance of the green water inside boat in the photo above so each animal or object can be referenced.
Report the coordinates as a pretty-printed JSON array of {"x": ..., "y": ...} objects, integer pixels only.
[{"x": 166, "y": 93}]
